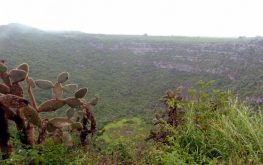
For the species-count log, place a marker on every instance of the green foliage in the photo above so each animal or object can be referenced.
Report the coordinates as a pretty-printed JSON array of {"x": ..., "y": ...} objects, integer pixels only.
[
  {"x": 130, "y": 73},
  {"x": 122, "y": 142},
  {"x": 121, "y": 152},
  {"x": 47, "y": 153},
  {"x": 127, "y": 72},
  {"x": 126, "y": 129},
  {"x": 216, "y": 129},
  {"x": 51, "y": 154}
]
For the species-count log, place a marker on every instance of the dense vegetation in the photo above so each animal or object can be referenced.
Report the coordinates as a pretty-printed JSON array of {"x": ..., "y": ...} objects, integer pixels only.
[
  {"x": 130, "y": 74},
  {"x": 213, "y": 127}
]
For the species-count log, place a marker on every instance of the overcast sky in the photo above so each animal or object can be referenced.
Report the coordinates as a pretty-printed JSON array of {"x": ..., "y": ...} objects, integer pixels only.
[{"x": 154, "y": 17}]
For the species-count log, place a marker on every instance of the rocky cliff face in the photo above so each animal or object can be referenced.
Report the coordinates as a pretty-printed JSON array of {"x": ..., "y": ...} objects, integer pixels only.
[{"x": 222, "y": 58}]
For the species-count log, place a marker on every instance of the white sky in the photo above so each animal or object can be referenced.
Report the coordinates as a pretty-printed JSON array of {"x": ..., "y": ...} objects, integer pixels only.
[{"x": 154, "y": 17}]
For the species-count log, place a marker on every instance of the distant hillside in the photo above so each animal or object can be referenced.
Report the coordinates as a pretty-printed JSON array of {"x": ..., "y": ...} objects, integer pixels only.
[{"x": 131, "y": 72}]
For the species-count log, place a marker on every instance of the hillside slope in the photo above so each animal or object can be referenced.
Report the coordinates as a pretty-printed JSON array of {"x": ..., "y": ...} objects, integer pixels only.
[{"x": 131, "y": 72}]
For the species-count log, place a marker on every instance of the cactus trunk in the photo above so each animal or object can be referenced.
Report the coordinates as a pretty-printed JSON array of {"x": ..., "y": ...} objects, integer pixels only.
[
  {"x": 30, "y": 94},
  {"x": 42, "y": 132},
  {"x": 25, "y": 130},
  {"x": 84, "y": 133},
  {"x": 172, "y": 114},
  {"x": 4, "y": 134},
  {"x": 29, "y": 130}
]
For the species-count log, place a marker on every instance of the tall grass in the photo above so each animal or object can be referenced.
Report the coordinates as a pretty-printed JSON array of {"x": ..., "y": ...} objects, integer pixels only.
[
  {"x": 240, "y": 133},
  {"x": 231, "y": 134}
]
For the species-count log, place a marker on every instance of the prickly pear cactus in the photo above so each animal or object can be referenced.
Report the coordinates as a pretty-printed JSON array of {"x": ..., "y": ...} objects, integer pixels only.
[
  {"x": 79, "y": 117},
  {"x": 57, "y": 88},
  {"x": 168, "y": 117},
  {"x": 12, "y": 96},
  {"x": 26, "y": 113}
]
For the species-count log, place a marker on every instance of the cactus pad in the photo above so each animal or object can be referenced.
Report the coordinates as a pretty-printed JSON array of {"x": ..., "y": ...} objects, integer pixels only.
[
  {"x": 44, "y": 84},
  {"x": 13, "y": 101},
  {"x": 23, "y": 67},
  {"x": 16, "y": 89},
  {"x": 6, "y": 78},
  {"x": 60, "y": 122},
  {"x": 62, "y": 77},
  {"x": 31, "y": 115},
  {"x": 73, "y": 102},
  {"x": 81, "y": 92},
  {"x": 51, "y": 105},
  {"x": 57, "y": 91},
  {"x": 17, "y": 75},
  {"x": 77, "y": 126},
  {"x": 4, "y": 89}
]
